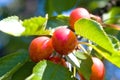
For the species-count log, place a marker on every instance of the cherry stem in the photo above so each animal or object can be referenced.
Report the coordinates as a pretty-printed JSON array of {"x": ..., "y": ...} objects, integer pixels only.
[
  {"x": 74, "y": 71},
  {"x": 85, "y": 43},
  {"x": 81, "y": 47}
]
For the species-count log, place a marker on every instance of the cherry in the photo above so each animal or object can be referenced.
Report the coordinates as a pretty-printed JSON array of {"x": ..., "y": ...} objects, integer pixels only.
[
  {"x": 58, "y": 60},
  {"x": 40, "y": 48},
  {"x": 76, "y": 14},
  {"x": 98, "y": 69},
  {"x": 64, "y": 40}
]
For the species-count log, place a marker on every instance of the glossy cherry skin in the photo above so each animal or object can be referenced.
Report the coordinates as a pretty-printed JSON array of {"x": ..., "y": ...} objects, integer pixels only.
[
  {"x": 64, "y": 40},
  {"x": 40, "y": 48},
  {"x": 76, "y": 14},
  {"x": 98, "y": 69}
]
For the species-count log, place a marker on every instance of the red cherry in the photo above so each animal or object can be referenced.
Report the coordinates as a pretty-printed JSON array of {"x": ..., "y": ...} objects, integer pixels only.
[
  {"x": 98, "y": 69},
  {"x": 40, "y": 48},
  {"x": 58, "y": 60},
  {"x": 76, "y": 14},
  {"x": 64, "y": 41}
]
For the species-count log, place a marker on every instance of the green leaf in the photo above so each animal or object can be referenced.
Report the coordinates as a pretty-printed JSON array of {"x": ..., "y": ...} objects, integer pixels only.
[
  {"x": 46, "y": 70},
  {"x": 110, "y": 30},
  {"x": 94, "y": 32},
  {"x": 114, "y": 58},
  {"x": 24, "y": 71},
  {"x": 12, "y": 62},
  {"x": 85, "y": 67},
  {"x": 115, "y": 42},
  {"x": 118, "y": 36},
  {"x": 113, "y": 15},
  {"x": 35, "y": 26},
  {"x": 12, "y": 25},
  {"x": 59, "y": 6},
  {"x": 80, "y": 55},
  {"x": 71, "y": 58},
  {"x": 82, "y": 62},
  {"x": 56, "y": 21}
]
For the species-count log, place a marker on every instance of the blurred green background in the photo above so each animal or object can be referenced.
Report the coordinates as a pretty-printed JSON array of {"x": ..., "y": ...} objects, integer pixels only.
[{"x": 30, "y": 8}]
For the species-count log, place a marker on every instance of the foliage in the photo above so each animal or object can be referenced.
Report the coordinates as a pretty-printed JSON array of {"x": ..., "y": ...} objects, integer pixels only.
[{"x": 100, "y": 41}]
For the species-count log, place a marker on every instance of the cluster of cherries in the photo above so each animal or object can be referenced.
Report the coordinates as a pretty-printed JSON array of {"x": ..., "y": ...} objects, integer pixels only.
[{"x": 63, "y": 42}]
